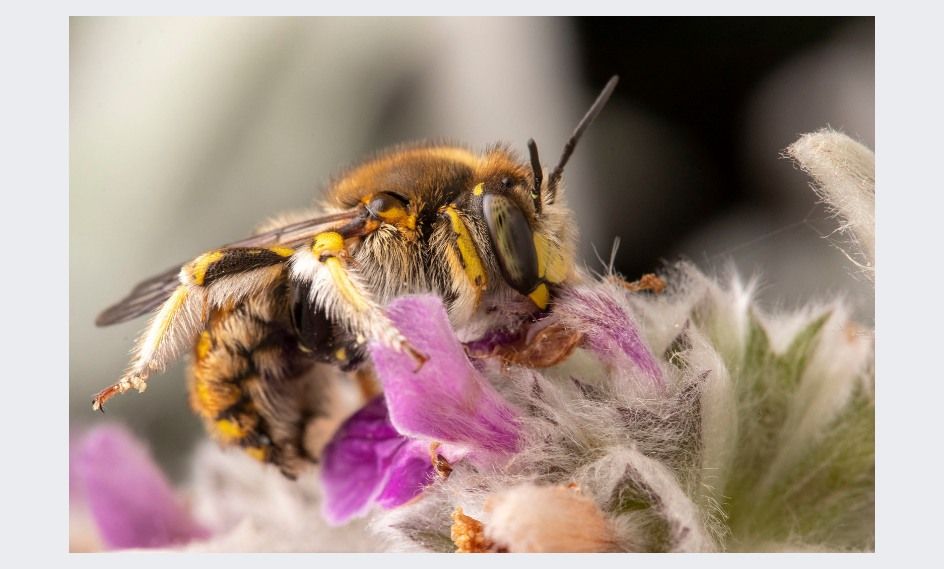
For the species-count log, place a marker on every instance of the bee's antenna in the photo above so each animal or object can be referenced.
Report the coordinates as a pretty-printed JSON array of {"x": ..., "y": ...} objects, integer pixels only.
[
  {"x": 538, "y": 175},
  {"x": 578, "y": 132}
]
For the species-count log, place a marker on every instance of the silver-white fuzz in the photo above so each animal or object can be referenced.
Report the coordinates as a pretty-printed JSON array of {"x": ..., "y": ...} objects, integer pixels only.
[{"x": 844, "y": 175}]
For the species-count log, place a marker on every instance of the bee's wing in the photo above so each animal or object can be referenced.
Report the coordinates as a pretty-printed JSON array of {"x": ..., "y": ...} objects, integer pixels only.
[
  {"x": 151, "y": 293},
  {"x": 145, "y": 297},
  {"x": 293, "y": 234}
]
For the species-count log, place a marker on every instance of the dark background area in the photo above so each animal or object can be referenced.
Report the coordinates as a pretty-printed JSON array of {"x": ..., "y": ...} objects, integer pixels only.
[{"x": 698, "y": 74}]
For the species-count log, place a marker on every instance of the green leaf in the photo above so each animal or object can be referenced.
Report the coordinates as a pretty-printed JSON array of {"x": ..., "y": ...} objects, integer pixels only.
[
  {"x": 635, "y": 499},
  {"x": 828, "y": 496},
  {"x": 430, "y": 539},
  {"x": 794, "y": 360},
  {"x": 765, "y": 383}
]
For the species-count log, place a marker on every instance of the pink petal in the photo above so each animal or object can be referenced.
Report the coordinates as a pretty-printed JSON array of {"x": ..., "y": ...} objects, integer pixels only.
[
  {"x": 130, "y": 500},
  {"x": 446, "y": 400},
  {"x": 367, "y": 460},
  {"x": 608, "y": 329}
]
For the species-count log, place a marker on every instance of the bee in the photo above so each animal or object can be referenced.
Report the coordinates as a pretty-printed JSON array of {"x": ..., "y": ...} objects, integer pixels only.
[{"x": 486, "y": 232}]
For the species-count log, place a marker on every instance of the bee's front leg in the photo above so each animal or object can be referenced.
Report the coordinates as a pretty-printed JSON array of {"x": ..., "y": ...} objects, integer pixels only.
[{"x": 337, "y": 287}]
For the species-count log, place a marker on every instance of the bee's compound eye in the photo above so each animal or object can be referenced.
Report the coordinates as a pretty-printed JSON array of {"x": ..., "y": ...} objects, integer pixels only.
[{"x": 512, "y": 242}]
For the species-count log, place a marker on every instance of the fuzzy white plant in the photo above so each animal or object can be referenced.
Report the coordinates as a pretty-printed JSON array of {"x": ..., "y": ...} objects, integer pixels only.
[{"x": 763, "y": 439}]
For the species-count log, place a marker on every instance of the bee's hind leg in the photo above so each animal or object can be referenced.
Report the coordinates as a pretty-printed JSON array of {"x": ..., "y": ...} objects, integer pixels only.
[
  {"x": 168, "y": 329},
  {"x": 213, "y": 279}
]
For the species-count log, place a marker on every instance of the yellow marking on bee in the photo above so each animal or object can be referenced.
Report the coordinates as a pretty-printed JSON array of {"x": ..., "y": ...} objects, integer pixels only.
[
  {"x": 327, "y": 242},
  {"x": 212, "y": 399},
  {"x": 455, "y": 263},
  {"x": 540, "y": 248},
  {"x": 478, "y": 189},
  {"x": 325, "y": 247},
  {"x": 200, "y": 265},
  {"x": 340, "y": 354},
  {"x": 540, "y": 296},
  {"x": 393, "y": 215},
  {"x": 229, "y": 430},
  {"x": 470, "y": 256},
  {"x": 203, "y": 345},
  {"x": 410, "y": 222},
  {"x": 552, "y": 266},
  {"x": 258, "y": 453},
  {"x": 557, "y": 268},
  {"x": 345, "y": 285},
  {"x": 282, "y": 251}
]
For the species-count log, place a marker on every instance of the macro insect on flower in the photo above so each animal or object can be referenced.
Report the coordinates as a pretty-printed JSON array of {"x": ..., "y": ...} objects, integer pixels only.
[{"x": 487, "y": 233}]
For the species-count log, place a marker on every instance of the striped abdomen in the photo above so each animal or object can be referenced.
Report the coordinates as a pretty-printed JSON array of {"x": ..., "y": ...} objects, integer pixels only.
[{"x": 246, "y": 380}]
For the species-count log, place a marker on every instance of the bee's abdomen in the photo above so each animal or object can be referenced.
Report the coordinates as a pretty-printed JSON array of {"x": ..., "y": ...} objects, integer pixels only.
[{"x": 245, "y": 381}]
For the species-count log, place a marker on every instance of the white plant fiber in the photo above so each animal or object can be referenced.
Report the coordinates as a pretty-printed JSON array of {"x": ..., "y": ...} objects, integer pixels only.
[{"x": 844, "y": 175}]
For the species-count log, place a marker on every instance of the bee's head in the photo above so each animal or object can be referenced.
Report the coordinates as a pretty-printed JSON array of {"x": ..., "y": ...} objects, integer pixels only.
[{"x": 528, "y": 234}]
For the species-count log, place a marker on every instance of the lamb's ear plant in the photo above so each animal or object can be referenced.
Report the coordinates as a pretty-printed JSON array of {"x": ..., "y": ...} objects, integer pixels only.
[
  {"x": 843, "y": 172},
  {"x": 694, "y": 419},
  {"x": 688, "y": 419}
]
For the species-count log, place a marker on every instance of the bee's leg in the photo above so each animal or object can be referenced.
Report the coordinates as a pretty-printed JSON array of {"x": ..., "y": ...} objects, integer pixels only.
[
  {"x": 338, "y": 289},
  {"x": 467, "y": 277},
  {"x": 211, "y": 280},
  {"x": 319, "y": 337}
]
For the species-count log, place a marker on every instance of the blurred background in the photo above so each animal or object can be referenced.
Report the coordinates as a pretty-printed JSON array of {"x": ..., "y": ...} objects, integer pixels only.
[{"x": 186, "y": 133}]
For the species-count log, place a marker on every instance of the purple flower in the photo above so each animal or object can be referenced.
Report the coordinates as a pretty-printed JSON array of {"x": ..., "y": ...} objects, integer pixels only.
[
  {"x": 129, "y": 499},
  {"x": 381, "y": 454},
  {"x": 368, "y": 461},
  {"x": 447, "y": 399},
  {"x": 608, "y": 330}
]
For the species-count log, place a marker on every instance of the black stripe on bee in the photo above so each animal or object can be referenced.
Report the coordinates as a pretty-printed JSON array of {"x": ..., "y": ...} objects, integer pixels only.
[
  {"x": 215, "y": 265},
  {"x": 318, "y": 336}
]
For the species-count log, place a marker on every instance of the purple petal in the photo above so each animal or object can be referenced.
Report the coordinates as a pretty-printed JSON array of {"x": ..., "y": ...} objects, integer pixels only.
[
  {"x": 128, "y": 496},
  {"x": 367, "y": 460},
  {"x": 446, "y": 400},
  {"x": 410, "y": 472},
  {"x": 608, "y": 329}
]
